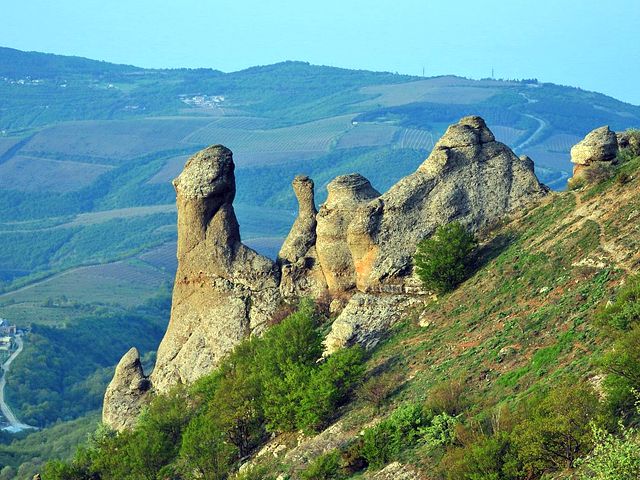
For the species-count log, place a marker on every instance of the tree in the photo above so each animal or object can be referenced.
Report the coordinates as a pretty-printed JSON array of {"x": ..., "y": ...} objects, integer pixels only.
[
  {"x": 237, "y": 398},
  {"x": 285, "y": 359},
  {"x": 442, "y": 261},
  {"x": 204, "y": 452},
  {"x": 329, "y": 387},
  {"x": 622, "y": 364},
  {"x": 613, "y": 457},
  {"x": 557, "y": 430}
]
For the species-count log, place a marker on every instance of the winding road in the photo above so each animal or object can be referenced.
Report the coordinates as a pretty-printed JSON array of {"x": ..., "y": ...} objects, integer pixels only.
[
  {"x": 542, "y": 124},
  {"x": 14, "y": 424}
]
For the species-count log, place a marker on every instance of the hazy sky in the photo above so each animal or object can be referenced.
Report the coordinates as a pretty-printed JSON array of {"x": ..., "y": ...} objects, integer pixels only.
[{"x": 592, "y": 44}]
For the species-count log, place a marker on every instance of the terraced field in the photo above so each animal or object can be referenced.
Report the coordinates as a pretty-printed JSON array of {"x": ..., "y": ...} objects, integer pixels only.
[
  {"x": 7, "y": 142},
  {"x": 507, "y": 135},
  {"x": 561, "y": 143},
  {"x": 126, "y": 283},
  {"x": 415, "y": 139},
  {"x": 367, "y": 135}
]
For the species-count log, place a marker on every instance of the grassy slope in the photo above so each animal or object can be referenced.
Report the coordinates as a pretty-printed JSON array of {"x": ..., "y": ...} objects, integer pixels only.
[{"x": 523, "y": 321}]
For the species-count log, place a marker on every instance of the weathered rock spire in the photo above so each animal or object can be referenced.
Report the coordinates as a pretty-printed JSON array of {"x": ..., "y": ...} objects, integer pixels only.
[{"x": 301, "y": 273}]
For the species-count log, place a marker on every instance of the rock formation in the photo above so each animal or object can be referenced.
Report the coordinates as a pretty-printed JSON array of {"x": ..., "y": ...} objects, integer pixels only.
[
  {"x": 346, "y": 194},
  {"x": 298, "y": 260},
  {"x": 469, "y": 177},
  {"x": 223, "y": 290},
  {"x": 364, "y": 320},
  {"x": 598, "y": 148},
  {"x": 127, "y": 393},
  {"x": 629, "y": 140},
  {"x": 600, "y": 145},
  {"x": 358, "y": 247}
]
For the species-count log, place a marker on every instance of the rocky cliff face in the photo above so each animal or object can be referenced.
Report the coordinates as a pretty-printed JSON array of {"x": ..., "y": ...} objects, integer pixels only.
[
  {"x": 298, "y": 259},
  {"x": 469, "y": 177},
  {"x": 346, "y": 195},
  {"x": 359, "y": 242}
]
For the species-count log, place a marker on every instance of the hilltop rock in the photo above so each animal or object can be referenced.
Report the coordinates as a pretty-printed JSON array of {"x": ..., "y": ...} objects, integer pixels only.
[
  {"x": 600, "y": 145},
  {"x": 127, "y": 393},
  {"x": 593, "y": 154},
  {"x": 298, "y": 260},
  {"x": 346, "y": 194},
  {"x": 469, "y": 177}
]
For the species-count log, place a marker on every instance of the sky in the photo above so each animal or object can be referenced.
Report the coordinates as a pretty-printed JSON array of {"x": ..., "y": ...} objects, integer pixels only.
[{"x": 591, "y": 44}]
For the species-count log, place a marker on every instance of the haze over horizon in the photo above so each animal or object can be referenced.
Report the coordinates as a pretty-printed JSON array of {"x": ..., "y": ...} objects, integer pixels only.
[{"x": 583, "y": 44}]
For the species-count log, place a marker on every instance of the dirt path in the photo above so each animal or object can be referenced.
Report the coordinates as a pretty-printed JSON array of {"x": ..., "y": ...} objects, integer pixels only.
[{"x": 14, "y": 424}]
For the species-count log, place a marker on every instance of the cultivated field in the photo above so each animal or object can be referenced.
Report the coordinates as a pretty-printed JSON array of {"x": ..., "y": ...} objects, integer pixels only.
[
  {"x": 31, "y": 174},
  {"x": 415, "y": 139},
  {"x": 307, "y": 137},
  {"x": 367, "y": 135},
  {"x": 125, "y": 283},
  {"x": 111, "y": 142},
  {"x": 449, "y": 90},
  {"x": 7, "y": 142},
  {"x": 507, "y": 135}
]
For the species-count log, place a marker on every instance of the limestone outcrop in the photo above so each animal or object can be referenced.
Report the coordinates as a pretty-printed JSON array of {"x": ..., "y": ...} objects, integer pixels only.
[
  {"x": 600, "y": 145},
  {"x": 345, "y": 195},
  {"x": 365, "y": 319},
  {"x": 599, "y": 148},
  {"x": 127, "y": 393},
  {"x": 301, "y": 274},
  {"x": 223, "y": 291},
  {"x": 469, "y": 177},
  {"x": 630, "y": 140}
]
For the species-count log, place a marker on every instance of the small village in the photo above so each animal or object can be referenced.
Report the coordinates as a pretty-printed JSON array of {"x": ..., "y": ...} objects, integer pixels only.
[{"x": 8, "y": 333}]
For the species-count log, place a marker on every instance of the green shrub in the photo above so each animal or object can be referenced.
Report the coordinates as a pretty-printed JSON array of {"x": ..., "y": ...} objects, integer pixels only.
[
  {"x": 353, "y": 459},
  {"x": 440, "y": 432},
  {"x": 622, "y": 365},
  {"x": 325, "y": 467},
  {"x": 613, "y": 457},
  {"x": 384, "y": 442},
  {"x": 598, "y": 173},
  {"x": 205, "y": 452},
  {"x": 442, "y": 261},
  {"x": 378, "y": 388},
  {"x": 484, "y": 459},
  {"x": 329, "y": 387},
  {"x": 286, "y": 357},
  {"x": 448, "y": 397},
  {"x": 624, "y": 312}
]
